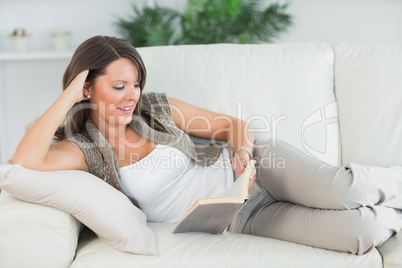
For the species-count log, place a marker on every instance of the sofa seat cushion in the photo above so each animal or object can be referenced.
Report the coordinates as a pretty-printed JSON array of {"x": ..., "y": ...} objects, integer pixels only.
[
  {"x": 224, "y": 250},
  {"x": 391, "y": 252}
]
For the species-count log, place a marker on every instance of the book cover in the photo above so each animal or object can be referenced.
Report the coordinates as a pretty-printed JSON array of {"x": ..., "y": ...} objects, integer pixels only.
[{"x": 213, "y": 215}]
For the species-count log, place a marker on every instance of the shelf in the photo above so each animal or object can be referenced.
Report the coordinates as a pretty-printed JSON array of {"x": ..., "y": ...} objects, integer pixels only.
[{"x": 37, "y": 55}]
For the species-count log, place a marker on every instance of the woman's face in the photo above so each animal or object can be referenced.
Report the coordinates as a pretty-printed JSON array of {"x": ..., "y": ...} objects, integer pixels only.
[{"x": 116, "y": 94}]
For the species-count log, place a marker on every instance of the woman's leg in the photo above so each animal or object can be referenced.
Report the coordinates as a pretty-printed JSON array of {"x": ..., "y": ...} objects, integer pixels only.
[
  {"x": 356, "y": 231},
  {"x": 290, "y": 175}
]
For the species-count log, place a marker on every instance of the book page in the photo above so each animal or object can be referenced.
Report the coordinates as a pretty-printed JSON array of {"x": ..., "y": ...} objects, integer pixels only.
[{"x": 239, "y": 189}]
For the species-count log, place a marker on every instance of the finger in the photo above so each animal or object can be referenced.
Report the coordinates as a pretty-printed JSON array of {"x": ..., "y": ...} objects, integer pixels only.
[
  {"x": 243, "y": 158},
  {"x": 251, "y": 184},
  {"x": 253, "y": 173},
  {"x": 83, "y": 73},
  {"x": 238, "y": 166},
  {"x": 240, "y": 162},
  {"x": 81, "y": 77},
  {"x": 253, "y": 177}
]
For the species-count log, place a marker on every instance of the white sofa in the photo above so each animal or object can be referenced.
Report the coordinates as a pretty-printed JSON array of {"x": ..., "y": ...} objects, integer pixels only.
[{"x": 338, "y": 103}]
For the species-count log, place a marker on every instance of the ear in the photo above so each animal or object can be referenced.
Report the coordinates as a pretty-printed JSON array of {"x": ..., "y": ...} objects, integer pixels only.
[{"x": 86, "y": 89}]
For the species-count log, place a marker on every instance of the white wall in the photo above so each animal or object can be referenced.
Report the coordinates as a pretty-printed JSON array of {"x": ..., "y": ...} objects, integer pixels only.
[
  {"x": 29, "y": 87},
  {"x": 331, "y": 21},
  {"x": 83, "y": 18},
  {"x": 336, "y": 21}
]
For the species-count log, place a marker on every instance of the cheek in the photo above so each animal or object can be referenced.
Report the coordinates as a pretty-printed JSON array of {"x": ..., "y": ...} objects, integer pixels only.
[
  {"x": 108, "y": 100},
  {"x": 139, "y": 92}
]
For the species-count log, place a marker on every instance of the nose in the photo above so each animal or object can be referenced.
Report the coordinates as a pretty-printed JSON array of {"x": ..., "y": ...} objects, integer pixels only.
[{"x": 133, "y": 93}]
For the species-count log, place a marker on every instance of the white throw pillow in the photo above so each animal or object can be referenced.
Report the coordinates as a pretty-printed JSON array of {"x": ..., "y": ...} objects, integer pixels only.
[{"x": 102, "y": 208}]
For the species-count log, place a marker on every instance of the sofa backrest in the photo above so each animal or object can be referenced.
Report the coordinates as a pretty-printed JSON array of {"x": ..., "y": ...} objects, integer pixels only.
[
  {"x": 284, "y": 91},
  {"x": 368, "y": 84}
]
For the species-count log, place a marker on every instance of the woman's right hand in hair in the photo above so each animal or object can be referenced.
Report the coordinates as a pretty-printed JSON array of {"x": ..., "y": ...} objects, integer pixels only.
[
  {"x": 77, "y": 86},
  {"x": 35, "y": 150}
]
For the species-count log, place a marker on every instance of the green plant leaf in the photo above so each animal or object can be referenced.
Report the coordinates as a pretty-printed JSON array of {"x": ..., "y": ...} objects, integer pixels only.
[
  {"x": 234, "y": 7},
  {"x": 206, "y": 22},
  {"x": 150, "y": 26}
]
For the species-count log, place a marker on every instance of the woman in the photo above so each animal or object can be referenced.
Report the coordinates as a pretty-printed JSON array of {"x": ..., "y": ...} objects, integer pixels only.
[{"x": 129, "y": 139}]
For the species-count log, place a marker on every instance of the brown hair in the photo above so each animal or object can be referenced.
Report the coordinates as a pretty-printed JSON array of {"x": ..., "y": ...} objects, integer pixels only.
[{"x": 95, "y": 54}]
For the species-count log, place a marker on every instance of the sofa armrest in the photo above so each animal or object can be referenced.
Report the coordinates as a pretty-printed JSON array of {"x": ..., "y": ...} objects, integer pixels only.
[
  {"x": 32, "y": 235},
  {"x": 391, "y": 251}
]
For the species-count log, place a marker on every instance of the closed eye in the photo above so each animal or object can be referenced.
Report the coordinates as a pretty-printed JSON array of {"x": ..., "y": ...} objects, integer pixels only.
[{"x": 119, "y": 87}]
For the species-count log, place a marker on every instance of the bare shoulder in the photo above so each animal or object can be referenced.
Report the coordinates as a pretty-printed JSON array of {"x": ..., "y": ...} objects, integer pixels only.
[{"x": 66, "y": 155}]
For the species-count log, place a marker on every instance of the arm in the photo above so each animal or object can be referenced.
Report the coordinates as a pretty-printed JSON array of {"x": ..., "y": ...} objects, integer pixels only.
[
  {"x": 34, "y": 150},
  {"x": 206, "y": 124}
]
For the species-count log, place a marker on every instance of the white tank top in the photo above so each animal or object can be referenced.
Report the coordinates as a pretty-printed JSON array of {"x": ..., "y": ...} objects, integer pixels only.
[{"x": 167, "y": 182}]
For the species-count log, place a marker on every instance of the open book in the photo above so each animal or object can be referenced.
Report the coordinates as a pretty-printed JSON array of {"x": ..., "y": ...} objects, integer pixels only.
[{"x": 213, "y": 215}]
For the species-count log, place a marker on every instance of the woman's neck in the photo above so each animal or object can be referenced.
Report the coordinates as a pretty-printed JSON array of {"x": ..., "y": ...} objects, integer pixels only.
[{"x": 112, "y": 133}]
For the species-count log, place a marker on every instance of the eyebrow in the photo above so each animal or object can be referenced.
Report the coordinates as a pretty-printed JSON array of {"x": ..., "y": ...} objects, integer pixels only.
[{"x": 123, "y": 81}]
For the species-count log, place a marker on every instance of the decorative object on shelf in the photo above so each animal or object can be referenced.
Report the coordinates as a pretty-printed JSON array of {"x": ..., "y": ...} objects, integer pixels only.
[
  {"x": 205, "y": 22},
  {"x": 60, "y": 39},
  {"x": 20, "y": 40}
]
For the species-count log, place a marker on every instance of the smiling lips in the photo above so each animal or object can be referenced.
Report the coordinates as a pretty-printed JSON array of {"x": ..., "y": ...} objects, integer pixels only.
[{"x": 126, "y": 110}]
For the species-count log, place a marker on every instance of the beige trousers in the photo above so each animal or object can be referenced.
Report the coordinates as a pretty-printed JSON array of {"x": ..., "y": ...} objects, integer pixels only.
[{"x": 324, "y": 206}]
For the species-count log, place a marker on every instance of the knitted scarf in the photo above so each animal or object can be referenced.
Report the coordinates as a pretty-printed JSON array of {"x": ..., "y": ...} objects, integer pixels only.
[{"x": 103, "y": 162}]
